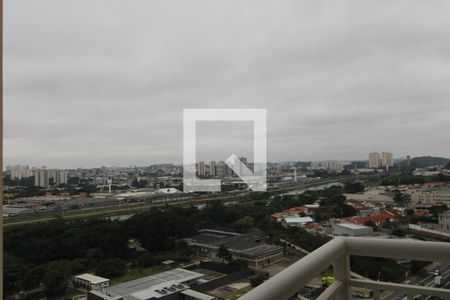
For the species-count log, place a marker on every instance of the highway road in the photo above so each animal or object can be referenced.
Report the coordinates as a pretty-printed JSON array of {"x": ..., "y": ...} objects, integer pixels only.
[
  {"x": 184, "y": 200},
  {"x": 425, "y": 280}
]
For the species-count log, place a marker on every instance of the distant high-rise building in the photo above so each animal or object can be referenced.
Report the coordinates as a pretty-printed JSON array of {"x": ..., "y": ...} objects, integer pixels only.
[
  {"x": 41, "y": 177},
  {"x": 328, "y": 165},
  {"x": 19, "y": 172},
  {"x": 201, "y": 169},
  {"x": 387, "y": 159},
  {"x": 61, "y": 177},
  {"x": 221, "y": 169},
  {"x": 374, "y": 160},
  {"x": 46, "y": 177},
  {"x": 212, "y": 168}
]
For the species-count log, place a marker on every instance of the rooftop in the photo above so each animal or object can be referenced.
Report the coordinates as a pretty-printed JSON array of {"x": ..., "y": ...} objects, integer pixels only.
[
  {"x": 91, "y": 278},
  {"x": 352, "y": 226},
  {"x": 147, "y": 287}
]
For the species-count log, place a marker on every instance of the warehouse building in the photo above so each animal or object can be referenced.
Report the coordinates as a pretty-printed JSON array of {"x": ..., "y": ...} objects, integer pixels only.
[
  {"x": 173, "y": 284},
  {"x": 250, "y": 247}
]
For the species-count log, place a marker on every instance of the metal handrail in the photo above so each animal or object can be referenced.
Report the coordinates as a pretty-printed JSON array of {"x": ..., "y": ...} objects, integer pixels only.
[{"x": 337, "y": 252}]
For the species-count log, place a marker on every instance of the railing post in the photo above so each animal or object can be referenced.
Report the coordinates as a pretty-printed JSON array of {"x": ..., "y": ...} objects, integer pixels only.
[
  {"x": 376, "y": 294},
  {"x": 341, "y": 269}
]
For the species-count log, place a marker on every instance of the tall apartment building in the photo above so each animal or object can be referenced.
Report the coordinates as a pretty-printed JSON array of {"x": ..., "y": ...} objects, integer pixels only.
[
  {"x": 41, "y": 177},
  {"x": 222, "y": 169},
  {"x": 212, "y": 168},
  {"x": 60, "y": 177},
  {"x": 45, "y": 177},
  {"x": 201, "y": 168},
  {"x": 387, "y": 159},
  {"x": 374, "y": 160},
  {"x": 328, "y": 165},
  {"x": 19, "y": 172}
]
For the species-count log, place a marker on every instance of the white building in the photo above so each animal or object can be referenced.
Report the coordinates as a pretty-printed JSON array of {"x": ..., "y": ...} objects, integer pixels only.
[
  {"x": 19, "y": 172},
  {"x": 387, "y": 159},
  {"x": 212, "y": 168},
  {"x": 161, "y": 285},
  {"x": 201, "y": 169},
  {"x": 430, "y": 196},
  {"x": 41, "y": 177},
  {"x": 374, "y": 160},
  {"x": 296, "y": 221},
  {"x": 350, "y": 229},
  {"x": 328, "y": 165},
  {"x": 90, "y": 282}
]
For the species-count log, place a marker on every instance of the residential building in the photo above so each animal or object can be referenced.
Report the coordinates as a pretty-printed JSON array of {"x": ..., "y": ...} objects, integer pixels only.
[
  {"x": 387, "y": 159},
  {"x": 201, "y": 169},
  {"x": 57, "y": 177},
  {"x": 444, "y": 221},
  {"x": 293, "y": 211},
  {"x": 212, "y": 168},
  {"x": 382, "y": 216},
  {"x": 19, "y": 172},
  {"x": 374, "y": 160},
  {"x": 222, "y": 169},
  {"x": 430, "y": 196},
  {"x": 41, "y": 177},
  {"x": 328, "y": 165}
]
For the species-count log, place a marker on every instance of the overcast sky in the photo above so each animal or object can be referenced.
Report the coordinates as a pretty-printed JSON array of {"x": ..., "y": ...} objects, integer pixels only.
[{"x": 93, "y": 83}]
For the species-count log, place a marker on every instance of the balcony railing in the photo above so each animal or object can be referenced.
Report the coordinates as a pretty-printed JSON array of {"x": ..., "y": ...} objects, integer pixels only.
[{"x": 337, "y": 252}]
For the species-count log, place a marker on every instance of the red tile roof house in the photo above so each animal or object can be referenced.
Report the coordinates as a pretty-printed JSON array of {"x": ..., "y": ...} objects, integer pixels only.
[
  {"x": 385, "y": 215},
  {"x": 294, "y": 211}
]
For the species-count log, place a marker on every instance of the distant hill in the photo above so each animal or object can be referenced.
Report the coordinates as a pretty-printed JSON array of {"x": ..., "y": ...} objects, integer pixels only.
[{"x": 428, "y": 161}]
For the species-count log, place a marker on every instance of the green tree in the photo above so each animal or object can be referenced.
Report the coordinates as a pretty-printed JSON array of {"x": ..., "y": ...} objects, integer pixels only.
[
  {"x": 354, "y": 187},
  {"x": 146, "y": 260},
  {"x": 56, "y": 277},
  {"x": 112, "y": 267},
  {"x": 224, "y": 254},
  {"x": 245, "y": 224},
  {"x": 402, "y": 198}
]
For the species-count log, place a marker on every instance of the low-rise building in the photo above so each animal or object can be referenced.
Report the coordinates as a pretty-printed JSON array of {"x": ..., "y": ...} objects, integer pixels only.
[
  {"x": 250, "y": 247},
  {"x": 350, "y": 229},
  {"x": 444, "y": 222},
  {"x": 296, "y": 221},
  {"x": 165, "y": 285},
  {"x": 88, "y": 282},
  {"x": 430, "y": 196},
  {"x": 382, "y": 216}
]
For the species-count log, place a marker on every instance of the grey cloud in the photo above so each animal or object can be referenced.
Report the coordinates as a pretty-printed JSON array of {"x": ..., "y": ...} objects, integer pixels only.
[{"x": 90, "y": 83}]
